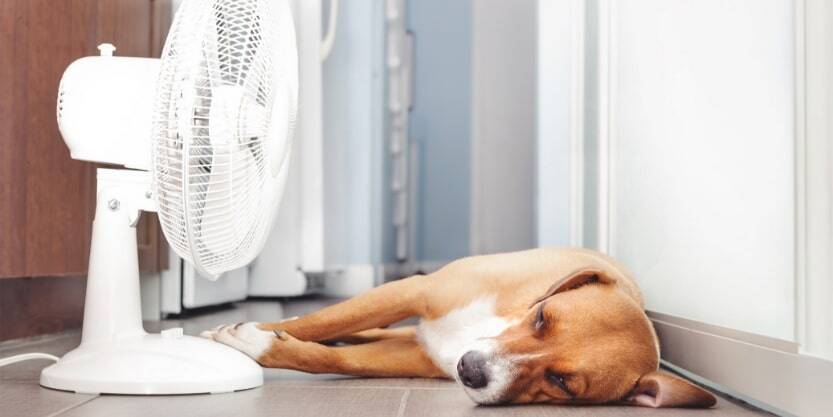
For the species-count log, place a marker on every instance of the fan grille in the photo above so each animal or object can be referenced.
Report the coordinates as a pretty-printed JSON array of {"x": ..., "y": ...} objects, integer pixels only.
[{"x": 224, "y": 65}]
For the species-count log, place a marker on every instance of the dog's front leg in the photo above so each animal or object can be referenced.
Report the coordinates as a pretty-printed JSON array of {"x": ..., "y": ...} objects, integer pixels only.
[
  {"x": 392, "y": 357},
  {"x": 379, "y": 307},
  {"x": 375, "y": 335},
  {"x": 397, "y": 357}
]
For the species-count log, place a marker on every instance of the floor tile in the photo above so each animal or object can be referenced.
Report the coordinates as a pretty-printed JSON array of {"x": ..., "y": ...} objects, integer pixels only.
[
  {"x": 28, "y": 399},
  {"x": 30, "y": 370},
  {"x": 293, "y": 378},
  {"x": 272, "y": 401},
  {"x": 449, "y": 403}
]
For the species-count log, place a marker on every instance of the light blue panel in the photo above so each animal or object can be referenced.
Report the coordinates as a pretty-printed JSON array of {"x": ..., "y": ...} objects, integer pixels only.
[
  {"x": 555, "y": 65},
  {"x": 352, "y": 99},
  {"x": 441, "y": 123}
]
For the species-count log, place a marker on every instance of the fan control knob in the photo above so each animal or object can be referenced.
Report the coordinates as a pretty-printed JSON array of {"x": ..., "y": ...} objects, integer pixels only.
[{"x": 106, "y": 49}]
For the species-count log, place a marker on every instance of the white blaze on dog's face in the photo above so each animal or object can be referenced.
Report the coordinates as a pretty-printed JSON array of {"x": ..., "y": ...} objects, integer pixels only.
[
  {"x": 584, "y": 342},
  {"x": 463, "y": 330}
]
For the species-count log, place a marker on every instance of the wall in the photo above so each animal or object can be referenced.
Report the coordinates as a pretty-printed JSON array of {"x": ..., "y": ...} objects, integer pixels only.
[
  {"x": 699, "y": 133},
  {"x": 592, "y": 108},
  {"x": 474, "y": 125},
  {"x": 556, "y": 82},
  {"x": 441, "y": 125},
  {"x": 352, "y": 100},
  {"x": 816, "y": 293},
  {"x": 504, "y": 49}
]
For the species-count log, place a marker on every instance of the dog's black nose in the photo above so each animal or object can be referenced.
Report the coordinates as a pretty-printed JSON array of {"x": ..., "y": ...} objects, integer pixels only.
[{"x": 472, "y": 370}]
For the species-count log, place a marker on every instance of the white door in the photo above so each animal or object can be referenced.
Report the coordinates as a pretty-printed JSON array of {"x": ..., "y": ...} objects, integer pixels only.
[
  {"x": 702, "y": 161},
  {"x": 700, "y": 145}
]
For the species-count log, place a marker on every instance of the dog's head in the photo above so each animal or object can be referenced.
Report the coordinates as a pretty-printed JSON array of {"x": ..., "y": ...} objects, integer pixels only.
[{"x": 586, "y": 340}]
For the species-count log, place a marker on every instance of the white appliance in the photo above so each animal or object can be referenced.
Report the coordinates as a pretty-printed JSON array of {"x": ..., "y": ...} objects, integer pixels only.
[
  {"x": 208, "y": 148},
  {"x": 368, "y": 93},
  {"x": 184, "y": 288},
  {"x": 353, "y": 124},
  {"x": 296, "y": 248},
  {"x": 294, "y": 259}
]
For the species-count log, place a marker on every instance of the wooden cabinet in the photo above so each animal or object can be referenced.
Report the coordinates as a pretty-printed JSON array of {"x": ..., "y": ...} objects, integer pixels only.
[{"x": 47, "y": 199}]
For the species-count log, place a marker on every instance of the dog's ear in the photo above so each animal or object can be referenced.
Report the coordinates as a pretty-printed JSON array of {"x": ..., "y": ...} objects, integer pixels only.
[
  {"x": 575, "y": 280},
  {"x": 662, "y": 390}
]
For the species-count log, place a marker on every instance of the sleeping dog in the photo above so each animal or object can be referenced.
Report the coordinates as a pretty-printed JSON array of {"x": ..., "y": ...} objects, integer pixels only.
[{"x": 563, "y": 326}]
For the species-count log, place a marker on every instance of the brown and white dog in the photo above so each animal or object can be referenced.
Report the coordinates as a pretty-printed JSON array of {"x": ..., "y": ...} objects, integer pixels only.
[{"x": 563, "y": 326}]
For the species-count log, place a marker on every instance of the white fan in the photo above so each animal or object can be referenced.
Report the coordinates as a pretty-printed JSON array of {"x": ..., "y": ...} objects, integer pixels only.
[{"x": 208, "y": 130}]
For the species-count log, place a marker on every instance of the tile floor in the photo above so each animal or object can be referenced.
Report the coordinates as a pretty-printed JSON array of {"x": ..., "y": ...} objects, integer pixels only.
[{"x": 285, "y": 393}]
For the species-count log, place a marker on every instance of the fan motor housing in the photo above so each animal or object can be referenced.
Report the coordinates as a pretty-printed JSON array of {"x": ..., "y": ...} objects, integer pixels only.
[{"x": 105, "y": 109}]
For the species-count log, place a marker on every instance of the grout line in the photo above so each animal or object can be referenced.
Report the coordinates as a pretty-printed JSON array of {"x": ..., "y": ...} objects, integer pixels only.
[
  {"x": 394, "y": 387},
  {"x": 20, "y": 380},
  {"x": 403, "y": 403},
  {"x": 15, "y": 344},
  {"x": 74, "y": 406}
]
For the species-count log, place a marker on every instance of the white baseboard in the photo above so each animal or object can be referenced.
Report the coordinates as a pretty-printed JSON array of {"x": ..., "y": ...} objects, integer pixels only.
[{"x": 779, "y": 381}]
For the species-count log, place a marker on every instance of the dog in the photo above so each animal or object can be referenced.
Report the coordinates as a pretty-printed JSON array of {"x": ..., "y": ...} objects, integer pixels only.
[{"x": 550, "y": 325}]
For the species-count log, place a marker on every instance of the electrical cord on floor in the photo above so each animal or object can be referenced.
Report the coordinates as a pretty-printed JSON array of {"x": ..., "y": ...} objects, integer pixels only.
[{"x": 27, "y": 357}]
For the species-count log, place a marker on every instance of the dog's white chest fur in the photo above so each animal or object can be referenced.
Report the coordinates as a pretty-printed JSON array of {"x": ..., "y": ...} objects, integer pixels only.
[{"x": 447, "y": 338}]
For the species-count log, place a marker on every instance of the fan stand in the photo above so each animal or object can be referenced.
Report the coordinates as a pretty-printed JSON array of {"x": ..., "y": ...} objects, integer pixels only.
[{"x": 116, "y": 355}]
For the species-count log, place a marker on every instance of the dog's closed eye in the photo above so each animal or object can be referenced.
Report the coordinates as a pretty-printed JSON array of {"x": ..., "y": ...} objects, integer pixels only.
[{"x": 560, "y": 381}]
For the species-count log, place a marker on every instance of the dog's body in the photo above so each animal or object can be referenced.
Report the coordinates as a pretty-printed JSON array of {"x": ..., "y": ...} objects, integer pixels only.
[{"x": 545, "y": 325}]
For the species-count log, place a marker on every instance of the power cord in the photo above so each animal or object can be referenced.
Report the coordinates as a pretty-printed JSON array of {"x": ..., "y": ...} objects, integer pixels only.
[{"x": 27, "y": 357}]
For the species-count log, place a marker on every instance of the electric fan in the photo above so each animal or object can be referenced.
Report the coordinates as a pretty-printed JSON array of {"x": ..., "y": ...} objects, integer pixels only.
[{"x": 207, "y": 132}]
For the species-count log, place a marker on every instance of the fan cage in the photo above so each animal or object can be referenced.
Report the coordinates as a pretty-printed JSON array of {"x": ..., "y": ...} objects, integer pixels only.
[{"x": 216, "y": 193}]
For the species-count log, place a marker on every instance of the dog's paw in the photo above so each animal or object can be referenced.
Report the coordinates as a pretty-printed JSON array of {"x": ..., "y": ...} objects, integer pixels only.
[
  {"x": 288, "y": 352},
  {"x": 209, "y": 334},
  {"x": 245, "y": 337}
]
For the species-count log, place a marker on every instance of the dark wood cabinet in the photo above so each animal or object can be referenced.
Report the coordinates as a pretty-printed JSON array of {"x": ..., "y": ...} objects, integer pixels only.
[{"x": 47, "y": 199}]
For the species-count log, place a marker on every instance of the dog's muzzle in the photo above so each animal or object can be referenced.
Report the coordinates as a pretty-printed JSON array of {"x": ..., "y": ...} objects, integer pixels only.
[
  {"x": 472, "y": 370},
  {"x": 485, "y": 372}
]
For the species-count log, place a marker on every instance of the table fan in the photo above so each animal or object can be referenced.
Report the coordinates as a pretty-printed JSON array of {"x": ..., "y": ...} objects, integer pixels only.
[{"x": 205, "y": 134}]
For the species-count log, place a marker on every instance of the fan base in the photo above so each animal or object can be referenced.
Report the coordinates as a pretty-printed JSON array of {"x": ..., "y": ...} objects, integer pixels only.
[{"x": 153, "y": 364}]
